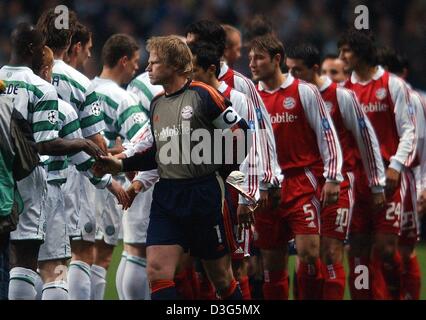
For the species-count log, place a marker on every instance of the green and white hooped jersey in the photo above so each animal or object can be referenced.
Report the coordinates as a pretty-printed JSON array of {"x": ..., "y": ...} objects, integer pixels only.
[
  {"x": 144, "y": 90},
  {"x": 122, "y": 113},
  {"x": 70, "y": 84},
  {"x": 34, "y": 98},
  {"x": 57, "y": 166}
]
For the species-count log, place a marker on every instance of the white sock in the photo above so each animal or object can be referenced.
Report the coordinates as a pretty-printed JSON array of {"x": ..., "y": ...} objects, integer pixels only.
[
  {"x": 79, "y": 280},
  {"x": 21, "y": 284},
  {"x": 119, "y": 275},
  {"x": 98, "y": 282},
  {"x": 135, "y": 280},
  {"x": 39, "y": 286},
  {"x": 56, "y": 290}
]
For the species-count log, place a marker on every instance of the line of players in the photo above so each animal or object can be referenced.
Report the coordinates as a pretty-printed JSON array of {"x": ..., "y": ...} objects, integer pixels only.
[{"x": 309, "y": 186}]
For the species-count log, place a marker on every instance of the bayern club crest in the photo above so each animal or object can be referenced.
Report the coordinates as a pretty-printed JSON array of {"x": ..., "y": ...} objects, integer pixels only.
[
  {"x": 289, "y": 103},
  {"x": 187, "y": 112},
  {"x": 381, "y": 93}
]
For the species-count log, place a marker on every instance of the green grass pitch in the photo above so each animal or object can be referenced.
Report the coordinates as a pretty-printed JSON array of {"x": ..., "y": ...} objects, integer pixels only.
[{"x": 111, "y": 293}]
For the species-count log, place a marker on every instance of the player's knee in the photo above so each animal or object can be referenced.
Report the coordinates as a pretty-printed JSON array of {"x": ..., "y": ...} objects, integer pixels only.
[
  {"x": 24, "y": 254},
  {"x": 222, "y": 282},
  {"x": 82, "y": 251},
  {"x": 308, "y": 253},
  {"x": 386, "y": 251},
  {"x": 407, "y": 253},
  {"x": 157, "y": 271},
  {"x": 332, "y": 253},
  {"x": 274, "y": 259}
]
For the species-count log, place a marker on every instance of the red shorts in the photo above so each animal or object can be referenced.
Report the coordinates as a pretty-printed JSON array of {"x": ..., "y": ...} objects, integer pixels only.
[
  {"x": 364, "y": 220},
  {"x": 335, "y": 219},
  {"x": 298, "y": 212},
  {"x": 240, "y": 239},
  {"x": 410, "y": 231}
]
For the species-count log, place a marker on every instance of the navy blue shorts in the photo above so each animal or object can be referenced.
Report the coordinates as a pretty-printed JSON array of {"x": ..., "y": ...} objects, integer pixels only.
[{"x": 188, "y": 212}]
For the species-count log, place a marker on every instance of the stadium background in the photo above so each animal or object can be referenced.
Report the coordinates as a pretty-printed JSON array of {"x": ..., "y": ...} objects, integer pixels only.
[{"x": 398, "y": 24}]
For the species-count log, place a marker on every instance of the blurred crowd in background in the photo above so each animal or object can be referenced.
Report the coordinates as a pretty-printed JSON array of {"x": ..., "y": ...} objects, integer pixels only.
[{"x": 400, "y": 24}]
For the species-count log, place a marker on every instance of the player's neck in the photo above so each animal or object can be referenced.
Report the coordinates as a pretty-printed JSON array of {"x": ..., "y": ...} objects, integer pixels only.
[
  {"x": 111, "y": 74},
  {"x": 274, "y": 82},
  {"x": 17, "y": 61},
  {"x": 214, "y": 83},
  {"x": 174, "y": 84},
  {"x": 318, "y": 80},
  {"x": 73, "y": 62},
  {"x": 59, "y": 54},
  {"x": 365, "y": 72}
]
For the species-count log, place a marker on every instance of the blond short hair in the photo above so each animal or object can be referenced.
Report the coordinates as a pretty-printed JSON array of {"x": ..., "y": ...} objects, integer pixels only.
[{"x": 173, "y": 51}]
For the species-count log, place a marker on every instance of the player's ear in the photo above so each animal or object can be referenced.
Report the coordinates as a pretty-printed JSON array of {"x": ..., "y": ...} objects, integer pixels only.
[
  {"x": 212, "y": 69},
  {"x": 124, "y": 61},
  {"x": 316, "y": 69},
  {"x": 277, "y": 58},
  {"x": 78, "y": 47}
]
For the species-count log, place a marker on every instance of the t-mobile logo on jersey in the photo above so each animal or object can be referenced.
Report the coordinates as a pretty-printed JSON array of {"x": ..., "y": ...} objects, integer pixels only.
[
  {"x": 375, "y": 107},
  {"x": 362, "y": 277},
  {"x": 284, "y": 117}
]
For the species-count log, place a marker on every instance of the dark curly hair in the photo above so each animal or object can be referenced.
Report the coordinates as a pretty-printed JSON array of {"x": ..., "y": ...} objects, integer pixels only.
[{"x": 362, "y": 43}]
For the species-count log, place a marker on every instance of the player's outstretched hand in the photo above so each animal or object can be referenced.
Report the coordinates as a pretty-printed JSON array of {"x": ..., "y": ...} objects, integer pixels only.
[
  {"x": 392, "y": 179},
  {"x": 245, "y": 216},
  {"x": 379, "y": 201},
  {"x": 263, "y": 199},
  {"x": 92, "y": 149},
  {"x": 133, "y": 191},
  {"x": 121, "y": 195},
  {"x": 275, "y": 197},
  {"x": 107, "y": 164},
  {"x": 330, "y": 193}
]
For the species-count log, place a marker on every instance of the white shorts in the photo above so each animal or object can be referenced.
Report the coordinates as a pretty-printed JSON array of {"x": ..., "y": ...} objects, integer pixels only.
[
  {"x": 56, "y": 242},
  {"x": 86, "y": 212},
  {"x": 108, "y": 217},
  {"x": 72, "y": 190},
  {"x": 32, "y": 220},
  {"x": 136, "y": 219}
]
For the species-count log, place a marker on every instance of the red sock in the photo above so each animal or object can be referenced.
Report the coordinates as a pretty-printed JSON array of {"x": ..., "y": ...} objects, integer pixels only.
[
  {"x": 163, "y": 290},
  {"x": 334, "y": 282},
  {"x": 275, "y": 286},
  {"x": 309, "y": 281},
  {"x": 358, "y": 292},
  {"x": 245, "y": 287},
  {"x": 379, "y": 290},
  {"x": 411, "y": 280},
  {"x": 195, "y": 283},
  {"x": 207, "y": 292},
  {"x": 392, "y": 274},
  {"x": 183, "y": 285},
  {"x": 233, "y": 292}
]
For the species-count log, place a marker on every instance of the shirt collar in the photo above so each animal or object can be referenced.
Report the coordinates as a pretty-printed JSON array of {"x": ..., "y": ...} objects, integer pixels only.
[
  {"x": 287, "y": 82},
  {"x": 326, "y": 83},
  {"x": 222, "y": 87},
  {"x": 19, "y": 68},
  {"x": 223, "y": 69},
  {"x": 379, "y": 72}
]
